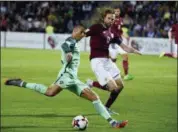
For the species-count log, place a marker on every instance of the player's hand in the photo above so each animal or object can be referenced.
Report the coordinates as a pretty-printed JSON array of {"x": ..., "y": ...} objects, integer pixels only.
[
  {"x": 69, "y": 56},
  {"x": 137, "y": 52}
]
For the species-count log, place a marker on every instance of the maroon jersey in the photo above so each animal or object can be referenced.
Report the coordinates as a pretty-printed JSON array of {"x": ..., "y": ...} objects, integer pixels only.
[
  {"x": 175, "y": 32},
  {"x": 116, "y": 27},
  {"x": 99, "y": 41}
]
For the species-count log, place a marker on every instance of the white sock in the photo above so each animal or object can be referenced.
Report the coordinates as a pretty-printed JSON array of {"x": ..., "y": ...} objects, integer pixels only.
[{"x": 100, "y": 108}]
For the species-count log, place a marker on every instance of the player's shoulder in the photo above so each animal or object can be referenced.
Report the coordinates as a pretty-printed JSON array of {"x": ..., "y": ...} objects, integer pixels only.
[
  {"x": 98, "y": 25},
  {"x": 70, "y": 40}
]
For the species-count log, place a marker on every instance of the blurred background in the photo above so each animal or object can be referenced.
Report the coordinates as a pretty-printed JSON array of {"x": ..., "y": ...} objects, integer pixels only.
[{"x": 141, "y": 18}]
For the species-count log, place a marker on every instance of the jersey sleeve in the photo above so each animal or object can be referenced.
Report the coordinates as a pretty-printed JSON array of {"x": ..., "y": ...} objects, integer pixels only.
[
  {"x": 68, "y": 46},
  {"x": 93, "y": 30}
]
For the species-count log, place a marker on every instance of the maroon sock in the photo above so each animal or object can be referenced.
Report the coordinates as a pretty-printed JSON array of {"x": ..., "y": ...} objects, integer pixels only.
[
  {"x": 97, "y": 85},
  {"x": 112, "y": 98},
  {"x": 125, "y": 66},
  {"x": 168, "y": 55}
]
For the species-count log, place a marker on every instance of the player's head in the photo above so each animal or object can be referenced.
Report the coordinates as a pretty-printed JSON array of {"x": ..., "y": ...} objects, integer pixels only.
[
  {"x": 117, "y": 11},
  {"x": 107, "y": 16},
  {"x": 78, "y": 32}
]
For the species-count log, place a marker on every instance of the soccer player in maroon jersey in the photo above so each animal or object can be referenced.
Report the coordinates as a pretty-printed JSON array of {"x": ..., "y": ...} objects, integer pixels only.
[
  {"x": 107, "y": 73},
  {"x": 173, "y": 33},
  {"x": 114, "y": 49}
]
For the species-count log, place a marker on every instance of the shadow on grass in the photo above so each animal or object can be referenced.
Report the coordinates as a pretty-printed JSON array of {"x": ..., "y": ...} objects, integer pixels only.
[
  {"x": 48, "y": 115},
  {"x": 33, "y": 127}
]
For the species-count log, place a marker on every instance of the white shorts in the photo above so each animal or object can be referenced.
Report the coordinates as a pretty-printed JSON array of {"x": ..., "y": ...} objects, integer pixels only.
[
  {"x": 104, "y": 70},
  {"x": 175, "y": 49},
  {"x": 114, "y": 50}
]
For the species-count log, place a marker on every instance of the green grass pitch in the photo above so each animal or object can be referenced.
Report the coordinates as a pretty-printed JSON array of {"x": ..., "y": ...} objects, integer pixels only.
[{"x": 149, "y": 101}]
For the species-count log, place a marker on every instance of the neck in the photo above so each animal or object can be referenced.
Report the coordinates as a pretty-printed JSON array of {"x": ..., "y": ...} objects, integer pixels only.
[
  {"x": 104, "y": 25},
  {"x": 73, "y": 37}
]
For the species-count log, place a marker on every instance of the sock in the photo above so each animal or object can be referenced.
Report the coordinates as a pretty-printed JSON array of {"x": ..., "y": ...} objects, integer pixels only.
[
  {"x": 102, "y": 110},
  {"x": 168, "y": 55},
  {"x": 125, "y": 66},
  {"x": 97, "y": 85},
  {"x": 37, "y": 87},
  {"x": 112, "y": 98}
]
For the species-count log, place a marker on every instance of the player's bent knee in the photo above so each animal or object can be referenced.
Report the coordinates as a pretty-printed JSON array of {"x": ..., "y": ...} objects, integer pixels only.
[
  {"x": 125, "y": 56},
  {"x": 121, "y": 86},
  {"x": 50, "y": 92},
  {"x": 116, "y": 91},
  {"x": 90, "y": 95}
]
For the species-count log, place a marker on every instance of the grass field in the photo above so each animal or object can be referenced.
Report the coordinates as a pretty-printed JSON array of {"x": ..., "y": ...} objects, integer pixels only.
[{"x": 149, "y": 101}]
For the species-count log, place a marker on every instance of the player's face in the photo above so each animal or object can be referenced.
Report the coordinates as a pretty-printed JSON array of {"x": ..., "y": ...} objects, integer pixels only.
[
  {"x": 108, "y": 20},
  {"x": 79, "y": 33},
  {"x": 114, "y": 16},
  {"x": 117, "y": 12}
]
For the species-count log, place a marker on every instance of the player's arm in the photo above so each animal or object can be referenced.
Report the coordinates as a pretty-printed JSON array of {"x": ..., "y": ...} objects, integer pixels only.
[
  {"x": 67, "y": 48},
  {"x": 170, "y": 35},
  {"x": 92, "y": 31},
  {"x": 129, "y": 49},
  {"x": 125, "y": 47}
]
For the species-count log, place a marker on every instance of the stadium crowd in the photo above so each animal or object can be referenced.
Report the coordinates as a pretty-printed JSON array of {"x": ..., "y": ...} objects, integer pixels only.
[{"x": 141, "y": 18}]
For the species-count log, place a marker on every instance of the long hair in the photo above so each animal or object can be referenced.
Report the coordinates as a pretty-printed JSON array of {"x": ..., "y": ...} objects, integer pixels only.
[{"x": 101, "y": 13}]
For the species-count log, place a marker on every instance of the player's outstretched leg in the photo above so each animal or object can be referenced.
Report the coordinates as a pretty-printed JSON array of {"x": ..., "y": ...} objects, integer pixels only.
[
  {"x": 100, "y": 108},
  {"x": 170, "y": 55},
  {"x": 40, "y": 88}
]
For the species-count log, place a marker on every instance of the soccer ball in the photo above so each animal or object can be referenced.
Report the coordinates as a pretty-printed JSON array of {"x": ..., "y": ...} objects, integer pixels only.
[{"x": 80, "y": 122}]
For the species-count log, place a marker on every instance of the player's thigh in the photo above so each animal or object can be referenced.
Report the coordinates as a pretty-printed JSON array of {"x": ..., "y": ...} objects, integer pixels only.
[
  {"x": 112, "y": 69},
  {"x": 89, "y": 94},
  {"x": 119, "y": 82},
  {"x": 64, "y": 81},
  {"x": 67, "y": 82},
  {"x": 113, "y": 52},
  {"x": 102, "y": 75},
  {"x": 77, "y": 87}
]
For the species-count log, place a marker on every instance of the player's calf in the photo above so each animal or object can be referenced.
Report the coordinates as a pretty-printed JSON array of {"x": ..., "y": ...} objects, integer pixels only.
[
  {"x": 40, "y": 88},
  {"x": 115, "y": 90}
]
